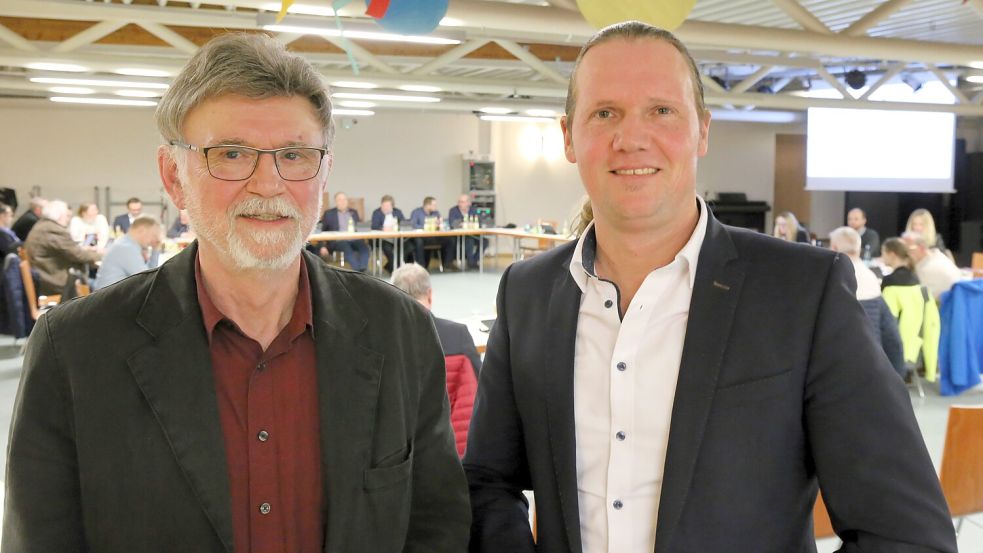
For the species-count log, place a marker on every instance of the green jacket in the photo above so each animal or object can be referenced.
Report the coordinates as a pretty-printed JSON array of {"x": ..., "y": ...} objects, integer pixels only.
[{"x": 918, "y": 323}]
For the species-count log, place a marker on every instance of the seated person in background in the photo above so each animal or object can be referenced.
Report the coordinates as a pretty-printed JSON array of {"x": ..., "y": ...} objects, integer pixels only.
[
  {"x": 387, "y": 217},
  {"x": 932, "y": 267},
  {"x": 921, "y": 222},
  {"x": 9, "y": 241},
  {"x": 455, "y": 220},
  {"x": 89, "y": 227},
  {"x": 847, "y": 241},
  {"x": 913, "y": 307},
  {"x": 137, "y": 251},
  {"x": 894, "y": 254},
  {"x": 340, "y": 218},
  {"x": 22, "y": 227},
  {"x": 134, "y": 207},
  {"x": 458, "y": 346},
  {"x": 51, "y": 250},
  {"x": 418, "y": 219},
  {"x": 787, "y": 228},
  {"x": 870, "y": 241},
  {"x": 181, "y": 227}
]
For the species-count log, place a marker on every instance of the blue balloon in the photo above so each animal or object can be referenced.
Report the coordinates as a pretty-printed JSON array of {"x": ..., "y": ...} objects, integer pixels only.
[{"x": 413, "y": 17}]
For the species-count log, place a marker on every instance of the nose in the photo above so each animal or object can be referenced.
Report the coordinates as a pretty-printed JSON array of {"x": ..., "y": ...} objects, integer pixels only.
[
  {"x": 266, "y": 180},
  {"x": 631, "y": 135}
]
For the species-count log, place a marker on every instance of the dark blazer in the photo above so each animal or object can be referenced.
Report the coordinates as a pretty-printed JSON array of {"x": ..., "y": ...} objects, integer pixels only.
[
  {"x": 379, "y": 218},
  {"x": 780, "y": 384},
  {"x": 455, "y": 338},
  {"x": 116, "y": 443},
  {"x": 329, "y": 221},
  {"x": 122, "y": 222}
]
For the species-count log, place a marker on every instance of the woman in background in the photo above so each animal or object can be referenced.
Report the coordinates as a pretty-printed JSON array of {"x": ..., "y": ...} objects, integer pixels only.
[
  {"x": 920, "y": 221},
  {"x": 787, "y": 228},
  {"x": 894, "y": 254},
  {"x": 89, "y": 227}
]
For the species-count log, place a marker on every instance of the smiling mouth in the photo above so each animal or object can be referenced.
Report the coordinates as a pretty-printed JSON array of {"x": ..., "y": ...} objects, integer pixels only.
[
  {"x": 263, "y": 216},
  {"x": 633, "y": 172}
]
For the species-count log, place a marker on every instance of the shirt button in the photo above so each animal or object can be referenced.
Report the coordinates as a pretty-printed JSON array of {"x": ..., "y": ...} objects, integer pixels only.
[
  {"x": 617, "y": 504},
  {"x": 264, "y": 509},
  {"x": 608, "y": 304},
  {"x": 621, "y": 436},
  {"x": 621, "y": 366},
  {"x": 263, "y": 435}
]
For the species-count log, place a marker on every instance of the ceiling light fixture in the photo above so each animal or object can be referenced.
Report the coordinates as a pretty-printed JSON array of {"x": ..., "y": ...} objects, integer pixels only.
[
  {"x": 141, "y": 72},
  {"x": 71, "y": 90},
  {"x": 103, "y": 101},
  {"x": 356, "y": 104},
  {"x": 975, "y": 79},
  {"x": 516, "y": 118},
  {"x": 97, "y": 82},
  {"x": 354, "y": 84},
  {"x": 384, "y": 97},
  {"x": 541, "y": 112},
  {"x": 492, "y": 110},
  {"x": 65, "y": 67},
  {"x": 856, "y": 79},
  {"x": 419, "y": 88},
  {"x": 301, "y": 9},
  {"x": 364, "y": 112}
]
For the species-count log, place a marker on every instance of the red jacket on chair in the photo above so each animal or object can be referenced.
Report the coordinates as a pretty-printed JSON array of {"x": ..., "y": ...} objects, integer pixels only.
[{"x": 461, "y": 387}]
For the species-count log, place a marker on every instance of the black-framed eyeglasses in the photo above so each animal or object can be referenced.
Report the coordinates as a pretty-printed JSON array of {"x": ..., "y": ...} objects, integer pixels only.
[{"x": 233, "y": 162}]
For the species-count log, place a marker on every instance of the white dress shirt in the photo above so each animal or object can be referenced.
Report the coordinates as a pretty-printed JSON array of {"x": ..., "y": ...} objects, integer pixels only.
[{"x": 625, "y": 374}]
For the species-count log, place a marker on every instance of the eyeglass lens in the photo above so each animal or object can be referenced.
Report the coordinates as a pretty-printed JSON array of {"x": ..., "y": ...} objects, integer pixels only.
[{"x": 238, "y": 163}]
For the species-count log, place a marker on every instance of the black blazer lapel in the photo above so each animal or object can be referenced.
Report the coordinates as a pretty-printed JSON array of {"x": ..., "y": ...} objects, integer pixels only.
[
  {"x": 561, "y": 329},
  {"x": 348, "y": 376},
  {"x": 174, "y": 373},
  {"x": 716, "y": 290}
]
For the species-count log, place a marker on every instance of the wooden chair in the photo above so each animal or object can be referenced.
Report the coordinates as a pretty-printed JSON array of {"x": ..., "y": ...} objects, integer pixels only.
[
  {"x": 977, "y": 265},
  {"x": 821, "y": 524},
  {"x": 962, "y": 462},
  {"x": 36, "y": 304}
]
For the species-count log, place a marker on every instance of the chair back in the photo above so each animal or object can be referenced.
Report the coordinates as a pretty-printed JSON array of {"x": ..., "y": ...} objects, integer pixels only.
[
  {"x": 821, "y": 524},
  {"x": 977, "y": 264},
  {"x": 35, "y": 304},
  {"x": 962, "y": 460}
]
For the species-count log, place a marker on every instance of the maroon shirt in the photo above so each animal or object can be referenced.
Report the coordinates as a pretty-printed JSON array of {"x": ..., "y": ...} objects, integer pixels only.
[{"x": 268, "y": 405}]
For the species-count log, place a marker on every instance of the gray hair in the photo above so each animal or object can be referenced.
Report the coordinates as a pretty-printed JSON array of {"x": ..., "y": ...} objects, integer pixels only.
[
  {"x": 412, "y": 279},
  {"x": 915, "y": 239},
  {"x": 54, "y": 210},
  {"x": 250, "y": 65},
  {"x": 845, "y": 240}
]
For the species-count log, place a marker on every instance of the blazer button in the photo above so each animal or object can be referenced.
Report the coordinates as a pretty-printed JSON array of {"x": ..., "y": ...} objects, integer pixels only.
[{"x": 264, "y": 509}]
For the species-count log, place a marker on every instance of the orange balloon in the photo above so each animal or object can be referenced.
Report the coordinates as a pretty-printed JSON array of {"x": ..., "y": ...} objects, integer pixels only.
[{"x": 667, "y": 14}]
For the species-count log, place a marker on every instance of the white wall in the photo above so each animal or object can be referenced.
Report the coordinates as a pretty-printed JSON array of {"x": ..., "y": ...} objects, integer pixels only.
[{"x": 67, "y": 150}]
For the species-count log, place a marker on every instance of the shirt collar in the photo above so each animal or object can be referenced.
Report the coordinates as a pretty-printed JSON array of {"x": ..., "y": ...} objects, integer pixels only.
[
  {"x": 585, "y": 253},
  {"x": 301, "y": 319}
]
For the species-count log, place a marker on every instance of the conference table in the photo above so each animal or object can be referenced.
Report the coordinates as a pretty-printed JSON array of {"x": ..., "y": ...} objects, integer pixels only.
[{"x": 375, "y": 237}]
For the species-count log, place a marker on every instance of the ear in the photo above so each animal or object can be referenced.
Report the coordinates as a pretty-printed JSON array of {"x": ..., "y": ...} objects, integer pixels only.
[
  {"x": 704, "y": 144},
  {"x": 567, "y": 139},
  {"x": 327, "y": 165},
  {"x": 169, "y": 175}
]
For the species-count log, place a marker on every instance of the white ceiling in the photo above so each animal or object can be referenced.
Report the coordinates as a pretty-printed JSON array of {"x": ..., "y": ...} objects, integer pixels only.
[{"x": 743, "y": 44}]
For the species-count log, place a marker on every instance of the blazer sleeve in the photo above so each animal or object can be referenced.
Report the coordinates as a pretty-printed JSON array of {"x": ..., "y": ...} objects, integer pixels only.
[
  {"x": 874, "y": 471},
  {"x": 495, "y": 459},
  {"x": 42, "y": 510},
  {"x": 439, "y": 516}
]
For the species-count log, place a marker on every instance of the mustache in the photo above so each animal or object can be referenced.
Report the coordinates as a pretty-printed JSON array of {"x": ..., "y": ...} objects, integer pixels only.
[{"x": 274, "y": 207}]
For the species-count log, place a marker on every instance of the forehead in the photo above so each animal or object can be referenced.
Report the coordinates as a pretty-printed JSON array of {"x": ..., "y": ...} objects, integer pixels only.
[
  {"x": 638, "y": 67},
  {"x": 267, "y": 122}
]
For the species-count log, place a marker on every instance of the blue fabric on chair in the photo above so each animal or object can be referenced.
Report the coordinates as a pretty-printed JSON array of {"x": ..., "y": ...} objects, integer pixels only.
[
  {"x": 16, "y": 319},
  {"x": 961, "y": 344}
]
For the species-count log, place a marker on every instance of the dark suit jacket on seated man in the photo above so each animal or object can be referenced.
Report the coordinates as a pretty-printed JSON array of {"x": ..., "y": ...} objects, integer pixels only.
[
  {"x": 245, "y": 396},
  {"x": 667, "y": 383},
  {"x": 134, "y": 207},
  {"x": 455, "y": 219},
  {"x": 418, "y": 219},
  {"x": 340, "y": 218},
  {"x": 389, "y": 218}
]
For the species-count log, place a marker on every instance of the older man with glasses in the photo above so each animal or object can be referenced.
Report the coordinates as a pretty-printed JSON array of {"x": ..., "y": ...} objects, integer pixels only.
[{"x": 244, "y": 396}]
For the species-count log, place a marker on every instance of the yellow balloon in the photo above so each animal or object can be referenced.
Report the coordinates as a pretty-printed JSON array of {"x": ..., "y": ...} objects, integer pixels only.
[{"x": 667, "y": 14}]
